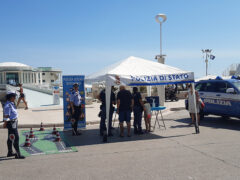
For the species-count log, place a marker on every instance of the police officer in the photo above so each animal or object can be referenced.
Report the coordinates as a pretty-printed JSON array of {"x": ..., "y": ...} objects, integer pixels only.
[
  {"x": 11, "y": 122},
  {"x": 102, "y": 98},
  {"x": 75, "y": 101},
  {"x": 137, "y": 110}
]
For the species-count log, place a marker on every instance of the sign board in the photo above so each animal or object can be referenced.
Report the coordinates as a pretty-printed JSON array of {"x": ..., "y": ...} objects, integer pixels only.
[
  {"x": 153, "y": 100},
  {"x": 68, "y": 82}
]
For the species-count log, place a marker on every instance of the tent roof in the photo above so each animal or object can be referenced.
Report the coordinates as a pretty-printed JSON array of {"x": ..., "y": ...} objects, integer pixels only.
[{"x": 137, "y": 67}]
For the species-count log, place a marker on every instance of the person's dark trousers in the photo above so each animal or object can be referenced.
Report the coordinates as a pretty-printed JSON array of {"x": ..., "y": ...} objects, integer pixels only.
[
  {"x": 103, "y": 120},
  {"x": 13, "y": 132},
  {"x": 76, "y": 116},
  {"x": 137, "y": 110}
]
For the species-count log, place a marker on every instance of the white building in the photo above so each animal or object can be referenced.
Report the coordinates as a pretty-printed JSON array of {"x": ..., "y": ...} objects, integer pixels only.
[
  {"x": 233, "y": 70},
  {"x": 49, "y": 75},
  {"x": 14, "y": 73}
]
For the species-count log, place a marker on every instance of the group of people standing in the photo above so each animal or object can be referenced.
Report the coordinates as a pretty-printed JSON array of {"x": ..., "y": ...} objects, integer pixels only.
[{"x": 126, "y": 103}]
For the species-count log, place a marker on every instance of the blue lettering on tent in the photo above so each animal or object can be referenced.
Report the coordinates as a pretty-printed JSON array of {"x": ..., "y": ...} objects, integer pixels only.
[
  {"x": 132, "y": 78},
  {"x": 149, "y": 78},
  {"x": 155, "y": 78},
  {"x": 169, "y": 77},
  {"x": 161, "y": 78}
]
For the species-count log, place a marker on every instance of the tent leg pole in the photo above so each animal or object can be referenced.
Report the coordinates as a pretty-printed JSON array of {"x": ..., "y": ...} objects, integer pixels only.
[
  {"x": 195, "y": 107},
  {"x": 107, "y": 95}
]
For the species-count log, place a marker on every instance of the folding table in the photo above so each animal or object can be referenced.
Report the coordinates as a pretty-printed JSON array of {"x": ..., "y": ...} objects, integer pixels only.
[{"x": 156, "y": 111}]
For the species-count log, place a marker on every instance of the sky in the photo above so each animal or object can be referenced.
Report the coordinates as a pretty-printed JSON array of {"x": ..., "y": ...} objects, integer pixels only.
[{"x": 82, "y": 36}]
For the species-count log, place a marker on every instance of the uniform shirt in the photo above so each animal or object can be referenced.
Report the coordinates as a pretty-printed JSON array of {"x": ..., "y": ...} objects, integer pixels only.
[
  {"x": 125, "y": 98},
  {"x": 75, "y": 98},
  {"x": 102, "y": 97},
  {"x": 137, "y": 97},
  {"x": 10, "y": 110}
]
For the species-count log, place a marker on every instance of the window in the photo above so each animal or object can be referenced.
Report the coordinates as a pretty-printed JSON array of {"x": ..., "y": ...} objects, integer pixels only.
[
  {"x": 208, "y": 87},
  {"x": 43, "y": 74},
  {"x": 52, "y": 80},
  {"x": 221, "y": 87},
  {"x": 200, "y": 86},
  {"x": 43, "y": 81},
  {"x": 237, "y": 85}
]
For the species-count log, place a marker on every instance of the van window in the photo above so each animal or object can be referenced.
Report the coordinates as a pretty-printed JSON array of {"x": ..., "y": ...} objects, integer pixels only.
[
  {"x": 221, "y": 87},
  {"x": 237, "y": 85},
  {"x": 210, "y": 87},
  {"x": 200, "y": 86}
]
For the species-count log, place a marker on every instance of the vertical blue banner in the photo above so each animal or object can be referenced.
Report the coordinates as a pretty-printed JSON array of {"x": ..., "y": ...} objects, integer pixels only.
[{"x": 68, "y": 82}]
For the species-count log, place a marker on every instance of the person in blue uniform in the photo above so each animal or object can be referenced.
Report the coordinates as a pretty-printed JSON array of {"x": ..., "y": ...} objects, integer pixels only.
[
  {"x": 137, "y": 111},
  {"x": 124, "y": 109},
  {"x": 10, "y": 118},
  {"x": 102, "y": 98},
  {"x": 75, "y": 102}
]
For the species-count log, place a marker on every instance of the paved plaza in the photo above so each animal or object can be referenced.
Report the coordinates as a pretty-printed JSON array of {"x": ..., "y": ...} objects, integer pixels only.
[{"x": 175, "y": 153}]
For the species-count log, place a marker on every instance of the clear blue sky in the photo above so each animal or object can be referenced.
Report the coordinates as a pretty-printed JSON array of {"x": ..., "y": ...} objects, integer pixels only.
[{"x": 82, "y": 36}]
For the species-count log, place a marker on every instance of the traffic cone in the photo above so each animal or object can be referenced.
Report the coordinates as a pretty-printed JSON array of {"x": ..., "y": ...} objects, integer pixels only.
[
  {"x": 31, "y": 135},
  {"x": 58, "y": 138},
  {"x": 27, "y": 142},
  {"x": 54, "y": 130},
  {"x": 41, "y": 127}
]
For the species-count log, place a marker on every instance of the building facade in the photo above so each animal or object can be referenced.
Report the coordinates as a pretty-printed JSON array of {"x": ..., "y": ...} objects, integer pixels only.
[
  {"x": 233, "y": 70},
  {"x": 14, "y": 73}
]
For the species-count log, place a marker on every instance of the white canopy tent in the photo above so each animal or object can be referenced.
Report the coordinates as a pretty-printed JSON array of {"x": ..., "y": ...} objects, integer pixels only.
[{"x": 135, "y": 71}]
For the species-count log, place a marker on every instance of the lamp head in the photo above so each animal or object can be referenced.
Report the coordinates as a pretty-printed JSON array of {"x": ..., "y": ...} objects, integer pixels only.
[{"x": 163, "y": 18}]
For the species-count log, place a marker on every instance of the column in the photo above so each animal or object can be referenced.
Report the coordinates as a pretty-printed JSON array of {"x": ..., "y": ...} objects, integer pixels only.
[
  {"x": 27, "y": 77},
  {"x": 24, "y": 74},
  {"x": 4, "y": 78},
  {"x": 22, "y": 77},
  {"x": 37, "y": 79},
  {"x": 0, "y": 78},
  {"x": 41, "y": 78},
  {"x": 19, "y": 77},
  {"x": 31, "y": 77}
]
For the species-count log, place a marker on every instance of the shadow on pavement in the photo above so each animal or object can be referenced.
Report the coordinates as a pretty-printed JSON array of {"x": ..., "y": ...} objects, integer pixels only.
[
  {"x": 92, "y": 137},
  {"x": 213, "y": 122},
  {"x": 5, "y": 158}
]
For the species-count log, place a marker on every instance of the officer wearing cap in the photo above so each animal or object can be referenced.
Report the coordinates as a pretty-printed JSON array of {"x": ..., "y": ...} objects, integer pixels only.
[
  {"x": 75, "y": 101},
  {"x": 11, "y": 122}
]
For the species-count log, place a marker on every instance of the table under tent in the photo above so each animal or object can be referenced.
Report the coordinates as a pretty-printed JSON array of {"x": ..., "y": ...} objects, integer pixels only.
[{"x": 135, "y": 71}]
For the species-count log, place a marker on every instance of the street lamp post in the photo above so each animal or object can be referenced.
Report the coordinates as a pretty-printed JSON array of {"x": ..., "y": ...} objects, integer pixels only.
[
  {"x": 207, "y": 53},
  {"x": 161, "y": 18}
]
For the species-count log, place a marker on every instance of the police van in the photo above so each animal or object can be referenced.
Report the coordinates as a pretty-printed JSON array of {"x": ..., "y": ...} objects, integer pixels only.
[{"x": 221, "y": 97}]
